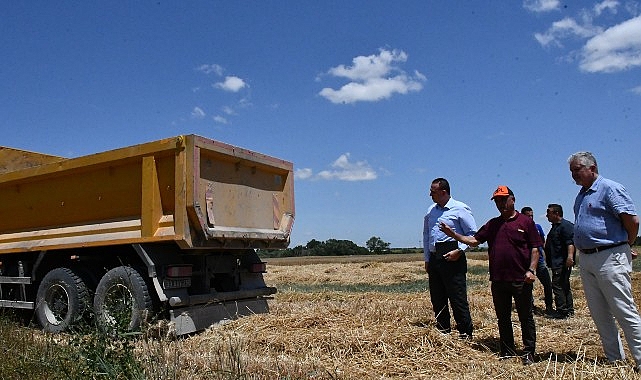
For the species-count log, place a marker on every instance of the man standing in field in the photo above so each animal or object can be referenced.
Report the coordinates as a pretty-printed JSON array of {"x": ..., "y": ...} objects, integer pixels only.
[
  {"x": 512, "y": 240},
  {"x": 605, "y": 227},
  {"x": 559, "y": 250},
  {"x": 445, "y": 261},
  {"x": 541, "y": 269}
]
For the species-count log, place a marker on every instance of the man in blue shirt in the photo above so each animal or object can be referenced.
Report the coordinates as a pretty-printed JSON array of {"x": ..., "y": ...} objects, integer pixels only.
[
  {"x": 606, "y": 226},
  {"x": 445, "y": 261}
]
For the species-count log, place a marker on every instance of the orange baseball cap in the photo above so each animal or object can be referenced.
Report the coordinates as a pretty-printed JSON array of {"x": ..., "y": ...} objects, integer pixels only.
[{"x": 502, "y": 191}]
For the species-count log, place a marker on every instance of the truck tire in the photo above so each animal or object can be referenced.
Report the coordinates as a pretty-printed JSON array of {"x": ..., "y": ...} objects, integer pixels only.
[
  {"x": 122, "y": 301},
  {"x": 61, "y": 300}
]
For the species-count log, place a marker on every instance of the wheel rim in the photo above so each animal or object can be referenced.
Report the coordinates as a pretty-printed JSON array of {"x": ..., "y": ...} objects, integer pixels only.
[
  {"x": 119, "y": 307},
  {"x": 56, "y": 305}
]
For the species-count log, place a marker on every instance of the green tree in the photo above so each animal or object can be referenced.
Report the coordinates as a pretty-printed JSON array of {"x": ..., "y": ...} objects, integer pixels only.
[
  {"x": 313, "y": 244},
  {"x": 377, "y": 245},
  {"x": 335, "y": 247}
]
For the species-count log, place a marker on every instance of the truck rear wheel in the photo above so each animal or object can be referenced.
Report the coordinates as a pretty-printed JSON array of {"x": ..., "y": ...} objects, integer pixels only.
[
  {"x": 122, "y": 301},
  {"x": 61, "y": 300}
]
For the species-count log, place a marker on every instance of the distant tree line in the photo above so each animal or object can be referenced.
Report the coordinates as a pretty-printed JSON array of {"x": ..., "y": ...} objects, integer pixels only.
[{"x": 335, "y": 247}]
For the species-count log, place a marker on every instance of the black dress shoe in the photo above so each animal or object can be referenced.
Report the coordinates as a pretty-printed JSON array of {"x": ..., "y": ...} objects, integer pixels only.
[
  {"x": 465, "y": 336},
  {"x": 556, "y": 315},
  {"x": 528, "y": 359}
]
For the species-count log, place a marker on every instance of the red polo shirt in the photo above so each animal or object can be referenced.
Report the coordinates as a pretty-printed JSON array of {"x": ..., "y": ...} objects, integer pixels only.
[{"x": 510, "y": 244}]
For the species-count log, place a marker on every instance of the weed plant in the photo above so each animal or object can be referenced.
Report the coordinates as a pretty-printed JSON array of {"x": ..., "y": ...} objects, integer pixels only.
[
  {"x": 85, "y": 354},
  {"x": 89, "y": 353}
]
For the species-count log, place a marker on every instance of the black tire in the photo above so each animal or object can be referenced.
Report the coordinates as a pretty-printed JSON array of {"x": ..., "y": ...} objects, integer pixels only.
[
  {"x": 122, "y": 301},
  {"x": 61, "y": 300}
]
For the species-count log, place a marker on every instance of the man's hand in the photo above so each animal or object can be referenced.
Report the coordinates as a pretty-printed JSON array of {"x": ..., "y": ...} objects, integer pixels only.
[
  {"x": 529, "y": 277},
  {"x": 447, "y": 230},
  {"x": 427, "y": 267},
  {"x": 469, "y": 240},
  {"x": 569, "y": 262},
  {"x": 452, "y": 255}
]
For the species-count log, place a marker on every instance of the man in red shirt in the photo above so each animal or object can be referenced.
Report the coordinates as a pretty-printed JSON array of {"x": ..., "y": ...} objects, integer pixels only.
[{"x": 512, "y": 240}]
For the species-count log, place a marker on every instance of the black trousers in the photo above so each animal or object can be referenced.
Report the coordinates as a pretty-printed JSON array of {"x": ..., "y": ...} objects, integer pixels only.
[
  {"x": 502, "y": 294},
  {"x": 448, "y": 282},
  {"x": 562, "y": 291},
  {"x": 543, "y": 275}
]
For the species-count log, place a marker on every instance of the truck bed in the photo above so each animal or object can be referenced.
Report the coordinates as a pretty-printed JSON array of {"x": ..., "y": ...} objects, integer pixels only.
[{"x": 195, "y": 191}]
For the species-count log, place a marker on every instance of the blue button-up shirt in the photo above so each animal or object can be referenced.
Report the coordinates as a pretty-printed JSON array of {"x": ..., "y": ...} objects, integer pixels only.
[
  {"x": 541, "y": 251},
  {"x": 596, "y": 214},
  {"x": 455, "y": 214}
]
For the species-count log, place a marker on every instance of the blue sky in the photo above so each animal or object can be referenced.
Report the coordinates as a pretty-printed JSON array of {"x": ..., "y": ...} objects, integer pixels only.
[{"x": 370, "y": 100}]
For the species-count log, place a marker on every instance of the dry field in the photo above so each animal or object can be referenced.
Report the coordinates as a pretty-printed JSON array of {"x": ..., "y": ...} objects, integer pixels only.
[{"x": 365, "y": 319}]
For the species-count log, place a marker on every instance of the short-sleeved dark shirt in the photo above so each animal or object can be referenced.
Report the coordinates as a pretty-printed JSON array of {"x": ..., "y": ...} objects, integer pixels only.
[
  {"x": 510, "y": 244},
  {"x": 556, "y": 246}
]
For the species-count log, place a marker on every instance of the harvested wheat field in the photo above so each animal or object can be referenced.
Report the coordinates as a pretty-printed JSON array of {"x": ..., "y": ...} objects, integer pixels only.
[{"x": 373, "y": 320}]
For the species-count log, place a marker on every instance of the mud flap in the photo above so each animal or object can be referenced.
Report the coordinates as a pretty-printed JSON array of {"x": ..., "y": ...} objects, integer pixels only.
[{"x": 196, "y": 318}]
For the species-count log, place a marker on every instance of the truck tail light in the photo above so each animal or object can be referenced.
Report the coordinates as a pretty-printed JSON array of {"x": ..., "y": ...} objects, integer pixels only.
[
  {"x": 258, "y": 268},
  {"x": 179, "y": 271}
]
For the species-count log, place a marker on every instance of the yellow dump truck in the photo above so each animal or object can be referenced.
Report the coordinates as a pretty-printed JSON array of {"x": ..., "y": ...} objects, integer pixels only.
[{"x": 162, "y": 229}]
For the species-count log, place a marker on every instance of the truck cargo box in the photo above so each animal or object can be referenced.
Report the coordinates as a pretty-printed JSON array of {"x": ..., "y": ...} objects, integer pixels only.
[{"x": 195, "y": 191}]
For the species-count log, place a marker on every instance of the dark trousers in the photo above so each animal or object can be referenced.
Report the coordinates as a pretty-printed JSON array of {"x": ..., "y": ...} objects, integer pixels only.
[
  {"x": 562, "y": 291},
  {"x": 502, "y": 294},
  {"x": 543, "y": 275},
  {"x": 448, "y": 282}
]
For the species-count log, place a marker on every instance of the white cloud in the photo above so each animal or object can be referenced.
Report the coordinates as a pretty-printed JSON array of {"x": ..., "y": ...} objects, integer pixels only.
[
  {"x": 610, "y": 5},
  {"x": 541, "y": 5},
  {"x": 220, "y": 119},
  {"x": 617, "y": 48},
  {"x": 197, "y": 113},
  {"x": 373, "y": 78},
  {"x": 372, "y": 90},
  {"x": 304, "y": 173},
  {"x": 370, "y": 67},
  {"x": 636, "y": 90},
  {"x": 344, "y": 170},
  {"x": 232, "y": 84},
  {"x": 245, "y": 103},
  {"x": 607, "y": 48},
  {"x": 228, "y": 110},
  {"x": 211, "y": 68},
  {"x": 565, "y": 28}
]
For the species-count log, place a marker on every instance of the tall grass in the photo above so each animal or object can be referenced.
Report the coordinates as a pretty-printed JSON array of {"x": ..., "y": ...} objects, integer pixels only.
[
  {"x": 88, "y": 353},
  {"x": 29, "y": 353}
]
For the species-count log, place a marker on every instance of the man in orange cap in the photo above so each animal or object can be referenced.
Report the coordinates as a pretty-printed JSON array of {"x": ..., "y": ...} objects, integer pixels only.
[{"x": 512, "y": 240}]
